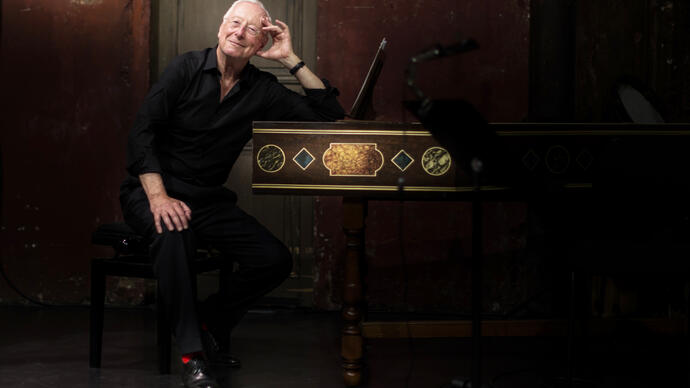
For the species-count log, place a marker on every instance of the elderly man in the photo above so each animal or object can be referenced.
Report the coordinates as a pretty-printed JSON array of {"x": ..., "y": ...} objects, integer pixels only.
[{"x": 190, "y": 130}]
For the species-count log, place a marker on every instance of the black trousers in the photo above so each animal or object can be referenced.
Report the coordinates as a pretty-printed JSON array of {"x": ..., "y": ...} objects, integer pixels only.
[{"x": 263, "y": 261}]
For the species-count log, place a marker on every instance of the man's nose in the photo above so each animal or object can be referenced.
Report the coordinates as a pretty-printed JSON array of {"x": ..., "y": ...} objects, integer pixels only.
[{"x": 241, "y": 30}]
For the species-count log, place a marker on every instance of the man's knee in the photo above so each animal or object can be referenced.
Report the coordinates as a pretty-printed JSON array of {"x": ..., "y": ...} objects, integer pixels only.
[
  {"x": 172, "y": 247},
  {"x": 172, "y": 239}
]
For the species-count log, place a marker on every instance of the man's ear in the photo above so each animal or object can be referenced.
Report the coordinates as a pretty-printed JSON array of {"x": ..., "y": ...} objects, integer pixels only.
[{"x": 220, "y": 28}]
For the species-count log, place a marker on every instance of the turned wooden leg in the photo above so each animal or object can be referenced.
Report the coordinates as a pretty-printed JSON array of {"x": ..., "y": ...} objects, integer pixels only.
[{"x": 353, "y": 225}]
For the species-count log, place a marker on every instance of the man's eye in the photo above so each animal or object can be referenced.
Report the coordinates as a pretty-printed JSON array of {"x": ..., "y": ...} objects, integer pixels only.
[
  {"x": 253, "y": 30},
  {"x": 235, "y": 23}
]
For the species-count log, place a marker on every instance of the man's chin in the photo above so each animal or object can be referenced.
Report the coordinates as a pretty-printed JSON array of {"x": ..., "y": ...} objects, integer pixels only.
[{"x": 230, "y": 51}]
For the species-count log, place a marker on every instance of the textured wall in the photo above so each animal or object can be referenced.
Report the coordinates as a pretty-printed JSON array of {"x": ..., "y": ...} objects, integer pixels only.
[
  {"x": 73, "y": 73},
  {"x": 494, "y": 78},
  {"x": 435, "y": 236},
  {"x": 647, "y": 40},
  {"x": 603, "y": 41}
]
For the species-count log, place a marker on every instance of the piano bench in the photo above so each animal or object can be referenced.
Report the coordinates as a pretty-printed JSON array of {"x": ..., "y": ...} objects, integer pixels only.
[{"x": 131, "y": 259}]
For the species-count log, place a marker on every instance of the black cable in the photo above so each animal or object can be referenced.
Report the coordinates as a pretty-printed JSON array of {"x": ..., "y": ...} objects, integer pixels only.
[
  {"x": 14, "y": 288},
  {"x": 17, "y": 290}
]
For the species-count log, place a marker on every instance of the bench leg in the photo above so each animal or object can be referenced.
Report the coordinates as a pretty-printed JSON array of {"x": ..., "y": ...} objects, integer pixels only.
[
  {"x": 96, "y": 310},
  {"x": 163, "y": 337}
]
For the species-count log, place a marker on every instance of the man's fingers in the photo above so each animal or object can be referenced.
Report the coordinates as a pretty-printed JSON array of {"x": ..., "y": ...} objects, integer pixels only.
[
  {"x": 171, "y": 213},
  {"x": 178, "y": 216},
  {"x": 177, "y": 222},
  {"x": 273, "y": 30},
  {"x": 168, "y": 223},
  {"x": 282, "y": 25},
  {"x": 157, "y": 222},
  {"x": 187, "y": 211}
]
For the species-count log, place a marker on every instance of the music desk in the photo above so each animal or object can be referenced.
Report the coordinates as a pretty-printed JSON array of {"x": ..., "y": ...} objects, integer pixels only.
[{"x": 402, "y": 161}]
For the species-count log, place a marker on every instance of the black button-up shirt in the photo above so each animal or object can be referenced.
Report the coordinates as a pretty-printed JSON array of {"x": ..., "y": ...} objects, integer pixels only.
[{"x": 183, "y": 130}]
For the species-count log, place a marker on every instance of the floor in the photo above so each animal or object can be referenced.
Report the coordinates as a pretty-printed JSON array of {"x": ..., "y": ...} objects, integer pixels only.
[{"x": 300, "y": 349}]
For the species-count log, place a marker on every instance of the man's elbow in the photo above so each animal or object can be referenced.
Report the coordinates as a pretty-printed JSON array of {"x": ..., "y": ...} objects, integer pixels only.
[{"x": 337, "y": 113}]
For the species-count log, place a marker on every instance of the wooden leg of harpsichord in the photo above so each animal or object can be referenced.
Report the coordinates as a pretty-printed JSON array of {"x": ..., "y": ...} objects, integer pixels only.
[{"x": 353, "y": 225}]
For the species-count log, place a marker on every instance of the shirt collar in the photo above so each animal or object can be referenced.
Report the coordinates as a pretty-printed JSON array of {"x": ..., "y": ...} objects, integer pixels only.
[
  {"x": 211, "y": 60},
  {"x": 212, "y": 64}
]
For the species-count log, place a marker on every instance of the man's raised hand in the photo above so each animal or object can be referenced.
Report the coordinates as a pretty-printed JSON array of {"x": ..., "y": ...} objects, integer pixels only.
[{"x": 281, "y": 49}]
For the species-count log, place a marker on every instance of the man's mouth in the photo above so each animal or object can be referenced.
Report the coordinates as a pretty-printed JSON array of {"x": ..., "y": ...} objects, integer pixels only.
[{"x": 236, "y": 43}]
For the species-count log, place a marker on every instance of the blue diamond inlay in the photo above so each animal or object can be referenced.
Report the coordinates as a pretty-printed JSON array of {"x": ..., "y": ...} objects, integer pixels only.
[
  {"x": 303, "y": 158},
  {"x": 402, "y": 160}
]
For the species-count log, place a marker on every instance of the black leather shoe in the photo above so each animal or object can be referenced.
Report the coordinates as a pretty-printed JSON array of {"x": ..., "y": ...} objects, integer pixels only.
[
  {"x": 226, "y": 360},
  {"x": 216, "y": 355},
  {"x": 197, "y": 374}
]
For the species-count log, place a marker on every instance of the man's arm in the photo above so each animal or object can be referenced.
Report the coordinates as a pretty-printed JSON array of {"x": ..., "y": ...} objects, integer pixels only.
[
  {"x": 142, "y": 160},
  {"x": 281, "y": 51},
  {"x": 152, "y": 119},
  {"x": 304, "y": 75},
  {"x": 174, "y": 213},
  {"x": 319, "y": 104}
]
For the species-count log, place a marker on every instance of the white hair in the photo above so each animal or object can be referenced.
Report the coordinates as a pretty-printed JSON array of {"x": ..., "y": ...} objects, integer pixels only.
[{"x": 257, "y": 2}]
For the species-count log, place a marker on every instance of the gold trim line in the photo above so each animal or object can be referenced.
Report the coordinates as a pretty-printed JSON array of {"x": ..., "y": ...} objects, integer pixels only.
[
  {"x": 578, "y": 185},
  {"x": 622, "y": 132},
  {"x": 373, "y": 188},
  {"x": 341, "y": 132}
]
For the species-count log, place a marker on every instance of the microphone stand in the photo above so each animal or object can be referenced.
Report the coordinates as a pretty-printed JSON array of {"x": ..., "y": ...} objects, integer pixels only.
[
  {"x": 477, "y": 278},
  {"x": 476, "y": 167}
]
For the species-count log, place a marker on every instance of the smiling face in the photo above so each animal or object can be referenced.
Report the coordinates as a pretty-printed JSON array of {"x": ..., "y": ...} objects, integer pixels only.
[{"x": 240, "y": 35}]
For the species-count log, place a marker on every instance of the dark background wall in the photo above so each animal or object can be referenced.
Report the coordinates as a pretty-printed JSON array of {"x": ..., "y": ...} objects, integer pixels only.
[
  {"x": 647, "y": 40},
  {"x": 553, "y": 61},
  {"x": 74, "y": 71},
  {"x": 434, "y": 238},
  {"x": 494, "y": 78}
]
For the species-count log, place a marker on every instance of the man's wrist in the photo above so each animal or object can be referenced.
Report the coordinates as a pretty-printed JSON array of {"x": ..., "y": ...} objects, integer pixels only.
[
  {"x": 153, "y": 186},
  {"x": 290, "y": 61},
  {"x": 157, "y": 195},
  {"x": 296, "y": 68}
]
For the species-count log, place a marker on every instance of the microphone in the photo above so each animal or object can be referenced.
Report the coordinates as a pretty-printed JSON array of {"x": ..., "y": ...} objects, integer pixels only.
[
  {"x": 460, "y": 47},
  {"x": 439, "y": 51}
]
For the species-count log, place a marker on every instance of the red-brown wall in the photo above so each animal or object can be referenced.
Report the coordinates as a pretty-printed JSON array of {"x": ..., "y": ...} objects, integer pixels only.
[
  {"x": 494, "y": 78},
  {"x": 73, "y": 74},
  {"x": 436, "y": 236}
]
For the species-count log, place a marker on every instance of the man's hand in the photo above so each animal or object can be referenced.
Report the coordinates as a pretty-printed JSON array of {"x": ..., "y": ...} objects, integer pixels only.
[
  {"x": 174, "y": 213},
  {"x": 281, "y": 50}
]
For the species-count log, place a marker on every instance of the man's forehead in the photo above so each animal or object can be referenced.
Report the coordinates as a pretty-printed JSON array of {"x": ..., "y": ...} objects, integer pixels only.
[{"x": 247, "y": 10}]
